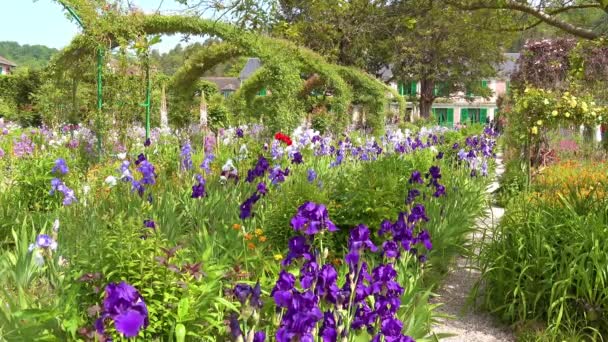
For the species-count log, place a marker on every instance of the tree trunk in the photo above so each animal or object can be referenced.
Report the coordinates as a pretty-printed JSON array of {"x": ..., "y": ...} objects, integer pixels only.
[{"x": 426, "y": 98}]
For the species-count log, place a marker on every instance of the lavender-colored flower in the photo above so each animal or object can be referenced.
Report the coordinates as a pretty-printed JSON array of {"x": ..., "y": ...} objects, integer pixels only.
[
  {"x": 425, "y": 238},
  {"x": 198, "y": 190},
  {"x": 61, "y": 166},
  {"x": 1, "y": 153},
  {"x": 44, "y": 241},
  {"x": 23, "y": 147},
  {"x": 462, "y": 154},
  {"x": 186, "y": 156},
  {"x": 147, "y": 171},
  {"x": 277, "y": 175},
  {"x": 311, "y": 218},
  {"x": 210, "y": 142},
  {"x": 206, "y": 164},
  {"x": 69, "y": 196},
  {"x": 126, "y": 307},
  {"x": 312, "y": 175},
  {"x": 360, "y": 239},
  {"x": 259, "y": 336}
]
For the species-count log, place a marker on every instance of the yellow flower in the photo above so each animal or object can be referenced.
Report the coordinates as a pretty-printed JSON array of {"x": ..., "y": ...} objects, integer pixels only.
[
  {"x": 573, "y": 103},
  {"x": 259, "y": 232},
  {"x": 584, "y": 107},
  {"x": 262, "y": 238},
  {"x": 546, "y": 101},
  {"x": 554, "y": 113},
  {"x": 534, "y": 130},
  {"x": 278, "y": 257},
  {"x": 539, "y": 122},
  {"x": 567, "y": 114}
]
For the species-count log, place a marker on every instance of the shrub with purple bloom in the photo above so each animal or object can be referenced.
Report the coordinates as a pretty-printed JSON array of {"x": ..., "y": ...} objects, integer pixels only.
[
  {"x": 312, "y": 175},
  {"x": 126, "y": 308}
]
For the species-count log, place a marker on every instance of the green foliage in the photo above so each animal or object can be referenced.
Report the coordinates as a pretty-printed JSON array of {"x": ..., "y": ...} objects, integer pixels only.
[
  {"x": 546, "y": 263},
  {"x": 27, "y": 56}
]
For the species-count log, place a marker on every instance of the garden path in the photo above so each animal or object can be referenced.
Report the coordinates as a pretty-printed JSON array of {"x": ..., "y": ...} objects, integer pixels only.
[{"x": 462, "y": 323}]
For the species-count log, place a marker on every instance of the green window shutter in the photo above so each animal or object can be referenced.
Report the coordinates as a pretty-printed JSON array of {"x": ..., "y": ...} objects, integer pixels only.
[
  {"x": 435, "y": 90},
  {"x": 450, "y": 121},
  {"x": 401, "y": 88},
  {"x": 484, "y": 84},
  {"x": 434, "y": 113},
  {"x": 464, "y": 115},
  {"x": 413, "y": 88},
  {"x": 483, "y": 114},
  {"x": 262, "y": 92}
]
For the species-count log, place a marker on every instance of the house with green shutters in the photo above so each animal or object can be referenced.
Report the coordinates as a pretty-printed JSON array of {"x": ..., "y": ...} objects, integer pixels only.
[
  {"x": 228, "y": 85},
  {"x": 462, "y": 108}
]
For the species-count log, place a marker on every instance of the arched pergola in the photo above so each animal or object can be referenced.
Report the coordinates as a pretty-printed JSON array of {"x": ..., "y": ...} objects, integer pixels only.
[{"x": 284, "y": 64}]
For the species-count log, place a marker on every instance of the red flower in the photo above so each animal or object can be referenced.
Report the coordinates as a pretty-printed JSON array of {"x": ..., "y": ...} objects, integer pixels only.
[{"x": 284, "y": 138}]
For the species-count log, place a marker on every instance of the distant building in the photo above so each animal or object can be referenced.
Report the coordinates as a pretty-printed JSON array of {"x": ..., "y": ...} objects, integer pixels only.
[
  {"x": 462, "y": 107},
  {"x": 6, "y": 66},
  {"x": 228, "y": 85}
]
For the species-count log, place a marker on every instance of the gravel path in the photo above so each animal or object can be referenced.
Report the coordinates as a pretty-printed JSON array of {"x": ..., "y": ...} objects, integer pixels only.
[{"x": 462, "y": 323}]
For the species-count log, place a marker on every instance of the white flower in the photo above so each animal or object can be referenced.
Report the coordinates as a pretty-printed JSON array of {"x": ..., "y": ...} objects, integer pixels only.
[
  {"x": 56, "y": 225},
  {"x": 243, "y": 150},
  {"x": 111, "y": 180},
  {"x": 122, "y": 156},
  {"x": 38, "y": 258},
  {"x": 223, "y": 179},
  {"x": 86, "y": 189},
  {"x": 31, "y": 247},
  {"x": 433, "y": 149},
  {"x": 229, "y": 166}
]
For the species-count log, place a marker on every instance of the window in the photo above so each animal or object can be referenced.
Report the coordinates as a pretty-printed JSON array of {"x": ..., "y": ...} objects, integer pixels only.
[
  {"x": 227, "y": 92},
  {"x": 262, "y": 92},
  {"x": 473, "y": 115},
  {"x": 407, "y": 88},
  {"x": 444, "y": 116},
  {"x": 469, "y": 93}
]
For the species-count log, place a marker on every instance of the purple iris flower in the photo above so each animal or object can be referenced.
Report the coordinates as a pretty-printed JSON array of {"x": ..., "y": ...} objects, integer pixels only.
[
  {"x": 311, "y": 218},
  {"x": 150, "y": 224},
  {"x": 247, "y": 206},
  {"x": 298, "y": 248},
  {"x": 126, "y": 307},
  {"x": 282, "y": 291},
  {"x": 147, "y": 142},
  {"x": 61, "y": 166},
  {"x": 297, "y": 158},
  {"x": 206, "y": 164},
  {"x": 390, "y": 249},
  {"x": 186, "y": 156},
  {"x": 147, "y": 171},
  {"x": 416, "y": 177},
  {"x": 259, "y": 170},
  {"x": 242, "y": 292},
  {"x": 262, "y": 188},
  {"x": 312, "y": 175},
  {"x": 439, "y": 190},
  {"x": 259, "y": 336},
  {"x": 198, "y": 190},
  {"x": 235, "y": 327},
  {"x": 239, "y": 133},
  {"x": 418, "y": 214},
  {"x": 435, "y": 172},
  {"x": 411, "y": 196}
]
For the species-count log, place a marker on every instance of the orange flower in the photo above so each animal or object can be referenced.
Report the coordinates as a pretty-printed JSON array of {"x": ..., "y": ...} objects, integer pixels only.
[
  {"x": 262, "y": 238},
  {"x": 248, "y": 236},
  {"x": 251, "y": 246},
  {"x": 236, "y": 226}
]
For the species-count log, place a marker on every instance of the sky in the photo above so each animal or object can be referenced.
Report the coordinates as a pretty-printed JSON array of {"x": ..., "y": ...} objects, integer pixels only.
[{"x": 44, "y": 22}]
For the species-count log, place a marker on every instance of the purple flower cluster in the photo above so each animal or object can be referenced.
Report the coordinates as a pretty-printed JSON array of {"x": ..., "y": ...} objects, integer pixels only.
[
  {"x": 247, "y": 207},
  {"x": 480, "y": 150},
  {"x": 198, "y": 190},
  {"x": 311, "y": 218},
  {"x": 206, "y": 164},
  {"x": 435, "y": 174},
  {"x": 277, "y": 175},
  {"x": 68, "y": 194},
  {"x": 60, "y": 166},
  {"x": 297, "y": 158},
  {"x": 318, "y": 305},
  {"x": 403, "y": 233},
  {"x": 125, "y": 307},
  {"x": 261, "y": 166},
  {"x": 23, "y": 147}
]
